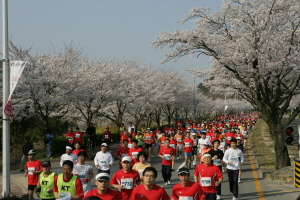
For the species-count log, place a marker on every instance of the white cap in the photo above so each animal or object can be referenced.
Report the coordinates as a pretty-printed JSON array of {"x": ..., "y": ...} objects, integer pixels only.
[
  {"x": 126, "y": 158},
  {"x": 194, "y": 134},
  {"x": 148, "y": 128},
  {"x": 206, "y": 155},
  {"x": 104, "y": 145},
  {"x": 101, "y": 175},
  {"x": 238, "y": 138},
  {"x": 68, "y": 147}
]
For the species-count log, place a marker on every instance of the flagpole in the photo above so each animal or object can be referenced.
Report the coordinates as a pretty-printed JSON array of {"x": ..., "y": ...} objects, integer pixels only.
[{"x": 6, "y": 120}]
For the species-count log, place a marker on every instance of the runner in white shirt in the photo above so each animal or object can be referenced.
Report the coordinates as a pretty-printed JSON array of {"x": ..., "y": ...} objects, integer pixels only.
[
  {"x": 203, "y": 140},
  {"x": 103, "y": 160},
  {"x": 68, "y": 156},
  {"x": 234, "y": 158},
  {"x": 84, "y": 171}
]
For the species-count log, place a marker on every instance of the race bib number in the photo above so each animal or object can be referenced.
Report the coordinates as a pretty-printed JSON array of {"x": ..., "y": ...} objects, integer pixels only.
[
  {"x": 172, "y": 145},
  {"x": 81, "y": 175},
  {"x": 141, "y": 172},
  {"x": 135, "y": 153},
  {"x": 70, "y": 138},
  {"x": 234, "y": 159},
  {"x": 148, "y": 137},
  {"x": 129, "y": 146},
  {"x": 228, "y": 138},
  {"x": 64, "y": 194},
  {"x": 125, "y": 154},
  {"x": 106, "y": 137},
  {"x": 167, "y": 156},
  {"x": 217, "y": 162},
  {"x": 77, "y": 135},
  {"x": 31, "y": 170},
  {"x": 103, "y": 163},
  {"x": 185, "y": 198},
  {"x": 178, "y": 139},
  {"x": 201, "y": 146},
  {"x": 187, "y": 144},
  {"x": 206, "y": 181},
  {"x": 127, "y": 183}
]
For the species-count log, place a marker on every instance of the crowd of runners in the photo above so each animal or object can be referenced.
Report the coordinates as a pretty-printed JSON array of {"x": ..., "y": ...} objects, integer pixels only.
[{"x": 210, "y": 148}]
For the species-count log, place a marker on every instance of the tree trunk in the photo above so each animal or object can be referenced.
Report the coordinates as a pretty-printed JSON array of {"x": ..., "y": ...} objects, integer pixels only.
[{"x": 281, "y": 152}]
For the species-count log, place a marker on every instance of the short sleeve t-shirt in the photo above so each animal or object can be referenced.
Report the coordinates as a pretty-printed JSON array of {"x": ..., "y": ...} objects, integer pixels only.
[
  {"x": 219, "y": 153},
  {"x": 192, "y": 191},
  {"x": 123, "y": 152},
  {"x": 141, "y": 193},
  {"x": 207, "y": 176},
  {"x": 127, "y": 180},
  {"x": 134, "y": 152},
  {"x": 188, "y": 144},
  {"x": 139, "y": 167},
  {"x": 83, "y": 173},
  {"x": 167, "y": 153},
  {"x": 32, "y": 166}
]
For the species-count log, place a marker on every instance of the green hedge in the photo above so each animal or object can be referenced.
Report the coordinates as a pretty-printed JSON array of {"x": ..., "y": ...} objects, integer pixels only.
[{"x": 59, "y": 145}]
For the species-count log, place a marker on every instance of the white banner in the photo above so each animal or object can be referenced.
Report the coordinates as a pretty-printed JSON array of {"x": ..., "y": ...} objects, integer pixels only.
[
  {"x": 16, "y": 69},
  {"x": 226, "y": 108}
]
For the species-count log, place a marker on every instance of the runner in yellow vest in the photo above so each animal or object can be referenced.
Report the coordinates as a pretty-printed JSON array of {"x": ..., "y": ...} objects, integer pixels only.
[
  {"x": 66, "y": 185},
  {"x": 44, "y": 189}
]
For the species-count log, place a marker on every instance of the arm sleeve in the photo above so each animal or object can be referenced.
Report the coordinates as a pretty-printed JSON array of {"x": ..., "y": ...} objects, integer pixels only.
[
  {"x": 111, "y": 160},
  {"x": 242, "y": 156},
  {"x": 96, "y": 160},
  {"x": 174, "y": 195},
  {"x": 79, "y": 188},
  {"x": 55, "y": 189},
  {"x": 225, "y": 158}
]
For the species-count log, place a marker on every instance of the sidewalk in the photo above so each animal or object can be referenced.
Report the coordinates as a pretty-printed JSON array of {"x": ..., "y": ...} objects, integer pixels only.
[{"x": 18, "y": 183}]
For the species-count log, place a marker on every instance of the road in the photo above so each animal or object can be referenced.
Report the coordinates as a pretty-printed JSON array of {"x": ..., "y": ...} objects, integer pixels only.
[{"x": 250, "y": 188}]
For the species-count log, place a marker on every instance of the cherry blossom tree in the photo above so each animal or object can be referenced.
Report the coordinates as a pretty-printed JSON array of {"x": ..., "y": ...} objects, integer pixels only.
[
  {"x": 46, "y": 81},
  {"x": 254, "y": 49}
]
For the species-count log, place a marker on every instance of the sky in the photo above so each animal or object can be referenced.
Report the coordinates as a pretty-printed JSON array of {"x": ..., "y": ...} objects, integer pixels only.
[{"x": 105, "y": 30}]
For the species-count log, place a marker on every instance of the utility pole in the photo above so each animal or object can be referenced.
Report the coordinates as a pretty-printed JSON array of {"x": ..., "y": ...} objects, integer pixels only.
[{"x": 5, "y": 119}]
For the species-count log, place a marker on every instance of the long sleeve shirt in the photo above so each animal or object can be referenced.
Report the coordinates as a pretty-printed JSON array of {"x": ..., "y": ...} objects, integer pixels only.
[
  {"x": 26, "y": 148},
  {"x": 71, "y": 157},
  {"x": 235, "y": 156},
  {"x": 103, "y": 160}
]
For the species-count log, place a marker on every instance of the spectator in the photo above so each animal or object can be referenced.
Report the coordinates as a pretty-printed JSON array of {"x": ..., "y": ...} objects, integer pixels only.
[
  {"x": 27, "y": 146},
  {"x": 91, "y": 131},
  {"x": 48, "y": 141}
]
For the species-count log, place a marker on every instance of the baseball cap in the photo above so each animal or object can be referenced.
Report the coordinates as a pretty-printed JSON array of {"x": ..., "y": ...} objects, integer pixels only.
[
  {"x": 46, "y": 163},
  {"x": 126, "y": 158},
  {"x": 31, "y": 152},
  {"x": 148, "y": 128},
  {"x": 183, "y": 170},
  {"x": 68, "y": 147},
  {"x": 103, "y": 145},
  {"x": 238, "y": 138},
  {"x": 102, "y": 175}
]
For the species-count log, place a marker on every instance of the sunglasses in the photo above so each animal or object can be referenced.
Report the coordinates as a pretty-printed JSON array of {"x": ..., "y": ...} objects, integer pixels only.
[{"x": 103, "y": 180}]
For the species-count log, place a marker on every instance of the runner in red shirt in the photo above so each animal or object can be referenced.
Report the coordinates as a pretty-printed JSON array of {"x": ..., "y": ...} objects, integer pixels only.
[
  {"x": 228, "y": 136},
  {"x": 103, "y": 191},
  {"x": 208, "y": 176},
  {"x": 70, "y": 137},
  {"x": 126, "y": 179},
  {"x": 167, "y": 154},
  {"x": 186, "y": 188},
  {"x": 77, "y": 148},
  {"x": 65, "y": 193},
  {"x": 188, "y": 145},
  {"x": 149, "y": 190},
  {"x": 78, "y": 136},
  {"x": 148, "y": 139},
  {"x": 133, "y": 152},
  {"x": 107, "y": 136},
  {"x": 33, "y": 169},
  {"x": 122, "y": 152}
]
